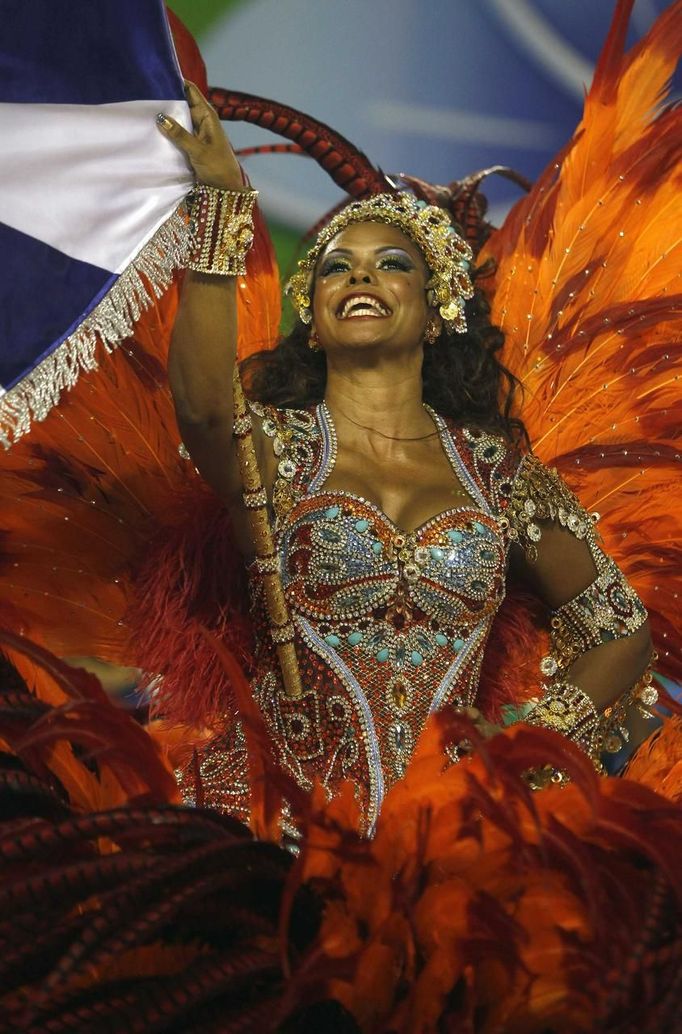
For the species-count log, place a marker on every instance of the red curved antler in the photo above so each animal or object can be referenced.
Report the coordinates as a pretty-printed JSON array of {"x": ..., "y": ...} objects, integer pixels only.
[
  {"x": 348, "y": 167},
  {"x": 352, "y": 170},
  {"x": 464, "y": 201},
  {"x": 248, "y": 152}
]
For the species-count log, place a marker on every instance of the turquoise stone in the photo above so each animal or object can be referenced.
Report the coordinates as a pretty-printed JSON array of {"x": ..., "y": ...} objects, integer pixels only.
[
  {"x": 458, "y": 644},
  {"x": 478, "y": 527},
  {"x": 377, "y": 547},
  {"x": 416, "y": 658},
  {"x": 332, "y": 640},
  {"x": 333, "y": 511},
  {"x": 361, "y": 525},
  {"x": 455, "y": 536},
  {"x": 382, "y": 655},
  {"x": 436, "y": 553},
  {"x": 441, "y": 639},
  {"x": 354, "y": 638}
]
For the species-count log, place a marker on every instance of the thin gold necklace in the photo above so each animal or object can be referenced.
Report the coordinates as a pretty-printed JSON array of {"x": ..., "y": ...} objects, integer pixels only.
[{"x": 388, "y": 437}]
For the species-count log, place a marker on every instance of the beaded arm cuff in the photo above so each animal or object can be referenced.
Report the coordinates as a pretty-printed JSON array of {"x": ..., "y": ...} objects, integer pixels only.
[
  {"x": 540, "y": 493},
  {"x": 613, "y": 732},
  {"x": 567, "y": 710},
  {"x": 223, "y": 229},
  {"x": 608, "y": 609}
]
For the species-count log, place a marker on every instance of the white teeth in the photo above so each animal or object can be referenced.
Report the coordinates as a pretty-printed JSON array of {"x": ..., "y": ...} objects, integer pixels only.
[
  {"x": 362, "y": 310},
  {"x": 362, "y": 305}
]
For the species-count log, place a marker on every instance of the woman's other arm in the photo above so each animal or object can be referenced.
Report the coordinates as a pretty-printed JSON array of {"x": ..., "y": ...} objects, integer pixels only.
[
  {"x": 566, "y": 578},
  {"x": 601, "y": 641}
]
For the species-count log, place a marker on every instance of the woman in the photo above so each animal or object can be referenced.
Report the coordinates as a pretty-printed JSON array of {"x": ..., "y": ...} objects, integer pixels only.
[{"x": 394, "y": 522}]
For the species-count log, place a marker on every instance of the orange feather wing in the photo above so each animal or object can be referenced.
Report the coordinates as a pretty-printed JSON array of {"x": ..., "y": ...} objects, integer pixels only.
[
  {"x": 588, "y": 292},
  {"x": 84, "y": 494}
]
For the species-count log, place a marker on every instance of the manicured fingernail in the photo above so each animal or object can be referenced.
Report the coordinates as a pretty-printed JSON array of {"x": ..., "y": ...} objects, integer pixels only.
[{"x": 162, "y": 121}]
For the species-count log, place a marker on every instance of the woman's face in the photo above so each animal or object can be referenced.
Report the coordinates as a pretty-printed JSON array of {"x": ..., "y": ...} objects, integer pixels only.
[{"x": 370, "y": 290}]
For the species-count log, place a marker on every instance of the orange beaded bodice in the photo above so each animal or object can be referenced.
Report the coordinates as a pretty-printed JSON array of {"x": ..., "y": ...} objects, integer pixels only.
[{"x": 389, "y": 625}]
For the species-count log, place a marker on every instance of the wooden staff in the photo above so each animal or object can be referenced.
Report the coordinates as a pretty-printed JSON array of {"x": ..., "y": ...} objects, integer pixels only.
[{"x": 256, "y": 503}]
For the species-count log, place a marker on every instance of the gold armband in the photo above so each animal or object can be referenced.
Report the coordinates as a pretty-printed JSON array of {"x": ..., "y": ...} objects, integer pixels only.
[
  {"x": 540, "y": 493},
  {"x": 566, "y": 709},
  {"x": 223, "y": 229},
  {"x": 613, "y": 733},
  {"x": 608, "y": 609}
]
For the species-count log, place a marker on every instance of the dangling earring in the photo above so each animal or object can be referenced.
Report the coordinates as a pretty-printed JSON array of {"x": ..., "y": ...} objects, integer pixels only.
[
  {"x": 432, "y": 329},
  {"x": 314, "y": 341}
]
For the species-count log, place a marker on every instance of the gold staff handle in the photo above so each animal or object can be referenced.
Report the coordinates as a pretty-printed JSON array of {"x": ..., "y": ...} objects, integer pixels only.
[{"x": 256, "y": 503}]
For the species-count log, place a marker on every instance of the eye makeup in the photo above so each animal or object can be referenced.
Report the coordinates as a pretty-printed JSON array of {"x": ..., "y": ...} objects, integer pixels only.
[
  {"x": 396, "y": 258},
  {"x": 385, "y": 258},
  {"x": 334, "y": 264}
]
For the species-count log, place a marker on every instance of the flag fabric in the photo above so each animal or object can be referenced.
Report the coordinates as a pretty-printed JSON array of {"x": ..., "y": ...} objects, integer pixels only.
[{"x": 92, "y": 223}]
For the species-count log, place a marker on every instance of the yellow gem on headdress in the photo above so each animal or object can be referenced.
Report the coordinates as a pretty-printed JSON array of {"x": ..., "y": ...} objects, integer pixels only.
[{"x": 450, "y": 311}]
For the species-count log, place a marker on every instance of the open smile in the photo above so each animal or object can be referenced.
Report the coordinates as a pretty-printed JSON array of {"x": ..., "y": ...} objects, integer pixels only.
[{"x": 362, "y": 306}]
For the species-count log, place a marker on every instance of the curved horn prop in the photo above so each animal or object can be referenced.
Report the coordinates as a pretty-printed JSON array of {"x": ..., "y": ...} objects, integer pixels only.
[
  {"x": 463, "y": 200},
  {"x": 348, "y": 167},
  {"x": 247, "y": 152},
  {"x": 351, "y": 170}
]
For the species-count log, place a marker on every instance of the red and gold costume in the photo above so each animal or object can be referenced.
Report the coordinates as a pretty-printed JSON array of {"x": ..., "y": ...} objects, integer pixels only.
[{"x": 393, "y": 625}]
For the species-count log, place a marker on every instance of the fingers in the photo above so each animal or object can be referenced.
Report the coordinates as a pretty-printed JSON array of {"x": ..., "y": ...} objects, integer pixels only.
[
  {"x": 176, "y": 133},
  {"x": 201, "y": 112},
  {"x": 207, "y": 150},
  {"x": 195, "y": 97},
  {"x": 202, "y": 115}
]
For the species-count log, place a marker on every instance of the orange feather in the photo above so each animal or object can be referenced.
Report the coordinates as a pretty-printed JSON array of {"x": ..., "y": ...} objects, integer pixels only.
[{"x": 588, "y": 291}]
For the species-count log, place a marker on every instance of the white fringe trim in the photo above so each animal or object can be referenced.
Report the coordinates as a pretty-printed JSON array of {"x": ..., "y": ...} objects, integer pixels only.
[{"x": 110, "y": 322}]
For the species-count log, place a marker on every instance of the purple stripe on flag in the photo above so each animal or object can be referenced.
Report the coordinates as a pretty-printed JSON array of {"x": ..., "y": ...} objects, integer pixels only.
[
  {"x": 50, "y": 295},
  {"x": 98, "y": 52}
]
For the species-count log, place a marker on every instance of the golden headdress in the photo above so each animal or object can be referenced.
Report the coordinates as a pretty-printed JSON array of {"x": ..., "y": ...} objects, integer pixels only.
[{"x": 447, "y": 255}]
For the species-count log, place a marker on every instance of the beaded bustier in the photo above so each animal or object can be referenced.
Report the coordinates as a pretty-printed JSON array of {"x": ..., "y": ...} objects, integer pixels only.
[{"x": 389, "y": 625}]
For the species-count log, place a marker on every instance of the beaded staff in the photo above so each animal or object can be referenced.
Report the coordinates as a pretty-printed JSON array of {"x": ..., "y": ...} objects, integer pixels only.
[{"x": 256, "y": 503}]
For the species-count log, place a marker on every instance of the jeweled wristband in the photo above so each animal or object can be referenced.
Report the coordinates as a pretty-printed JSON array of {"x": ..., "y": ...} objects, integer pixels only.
[
  {"x": 568, "y": 710},
  {"x": 223, "y": 229}
]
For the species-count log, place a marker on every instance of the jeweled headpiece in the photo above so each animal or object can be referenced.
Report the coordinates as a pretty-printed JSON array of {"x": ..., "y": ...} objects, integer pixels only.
[{"x": 447, "y": 255}]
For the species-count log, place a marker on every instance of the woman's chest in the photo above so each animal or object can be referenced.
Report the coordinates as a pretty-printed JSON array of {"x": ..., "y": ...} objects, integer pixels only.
[{"x": 409, "y": 487}]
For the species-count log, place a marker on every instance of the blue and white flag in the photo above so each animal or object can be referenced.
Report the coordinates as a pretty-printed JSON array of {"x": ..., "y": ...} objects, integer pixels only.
[{"x": 90, "y": 191}]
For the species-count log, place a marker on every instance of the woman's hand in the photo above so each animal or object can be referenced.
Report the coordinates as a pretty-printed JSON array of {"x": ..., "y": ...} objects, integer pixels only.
[{"x": 207, "y": 150}]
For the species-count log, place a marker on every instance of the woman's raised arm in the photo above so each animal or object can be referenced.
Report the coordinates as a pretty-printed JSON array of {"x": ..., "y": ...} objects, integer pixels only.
[{"x": 203, "y": 346}]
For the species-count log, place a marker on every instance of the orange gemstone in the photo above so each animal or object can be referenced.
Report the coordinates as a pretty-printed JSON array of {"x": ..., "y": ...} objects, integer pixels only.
[{"x": 399, "y": 694}]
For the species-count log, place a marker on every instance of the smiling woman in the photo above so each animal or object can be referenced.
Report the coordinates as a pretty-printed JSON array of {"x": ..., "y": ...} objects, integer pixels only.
[
  {"x": 460, "y": 373},
  {"x": 391, "y": 464}
]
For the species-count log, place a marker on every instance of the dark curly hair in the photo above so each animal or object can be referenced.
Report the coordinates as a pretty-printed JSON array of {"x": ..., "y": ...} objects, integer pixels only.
[{"x": 462, "y": 375}]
